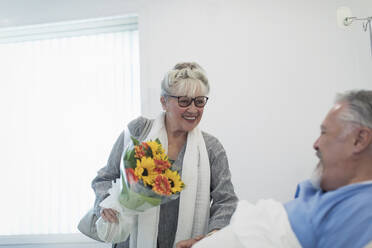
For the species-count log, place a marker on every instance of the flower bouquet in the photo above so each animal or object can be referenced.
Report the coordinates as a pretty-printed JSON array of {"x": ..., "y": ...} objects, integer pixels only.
[
  {"x": 147, "y": 181},
  {"x": 149, "y": 178}
]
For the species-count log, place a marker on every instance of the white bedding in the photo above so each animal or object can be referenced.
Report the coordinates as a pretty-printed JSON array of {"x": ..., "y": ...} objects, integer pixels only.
[{"x": 264, "y": 224}]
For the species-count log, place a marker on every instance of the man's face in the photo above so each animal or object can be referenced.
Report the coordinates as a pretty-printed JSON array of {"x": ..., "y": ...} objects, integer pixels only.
[{"x": 334, "y": 149}]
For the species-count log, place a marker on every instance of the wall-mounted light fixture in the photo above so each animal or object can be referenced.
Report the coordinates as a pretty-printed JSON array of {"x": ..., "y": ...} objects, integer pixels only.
[{"x": 345, "y": 18}]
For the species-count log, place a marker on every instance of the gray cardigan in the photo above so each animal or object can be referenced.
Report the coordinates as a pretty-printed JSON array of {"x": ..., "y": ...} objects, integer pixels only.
[{"x": 224, "y": 199}]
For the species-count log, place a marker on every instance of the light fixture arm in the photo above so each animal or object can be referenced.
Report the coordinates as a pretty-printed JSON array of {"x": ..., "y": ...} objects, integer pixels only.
[
  {"x": 366, "y": 25},
  {"x": 350, "y": 19}
]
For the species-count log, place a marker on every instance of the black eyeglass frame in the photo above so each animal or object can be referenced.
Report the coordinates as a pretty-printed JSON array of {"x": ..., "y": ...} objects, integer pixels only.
[{"x": 192, "y": 100}]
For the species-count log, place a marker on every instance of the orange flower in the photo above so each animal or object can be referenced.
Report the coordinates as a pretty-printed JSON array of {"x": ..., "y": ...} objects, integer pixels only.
[
  {"x": 132, "y": 178},
  {"x": 162, "y": 185},
  {"x": 161, "y": 165},
  {"x": 145, "y": 145},
  {"x": 139, "y": 152}
]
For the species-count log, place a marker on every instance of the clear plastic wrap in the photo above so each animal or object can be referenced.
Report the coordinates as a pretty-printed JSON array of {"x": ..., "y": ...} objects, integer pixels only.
[{"x": 147, "y": 180}]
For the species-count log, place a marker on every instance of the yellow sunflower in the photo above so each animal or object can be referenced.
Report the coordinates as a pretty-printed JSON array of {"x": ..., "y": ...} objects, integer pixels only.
[
  {"x": 175, "y": 181},
  {"x": 155, "y": 147},
  {"x": 157, "y": 150},
  {"x": 145, "y": 170}
]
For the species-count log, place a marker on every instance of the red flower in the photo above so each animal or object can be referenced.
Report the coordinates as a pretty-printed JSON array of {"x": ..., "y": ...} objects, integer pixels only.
[
  {"x": 132, "y": 178},
  {"x": 162, "y": 185},
  {"x": 161, "y": 165}
]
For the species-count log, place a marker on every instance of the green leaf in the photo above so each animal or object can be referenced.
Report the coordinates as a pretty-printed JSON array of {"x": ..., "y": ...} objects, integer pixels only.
[
  {"x": 130, "y": 160},
  {"x": 135, "y": 201},
  {"x": 158, "y": 141},
  {"x": 127, "y": 155},
  {"x": 135, "y": 142},
  {"x": 148, "y": 152}
]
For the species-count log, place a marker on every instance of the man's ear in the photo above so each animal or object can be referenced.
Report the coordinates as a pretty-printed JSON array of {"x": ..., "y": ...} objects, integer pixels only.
[
  {"x": 163, "y": 102},
  {"x": 362, "y": 140}
]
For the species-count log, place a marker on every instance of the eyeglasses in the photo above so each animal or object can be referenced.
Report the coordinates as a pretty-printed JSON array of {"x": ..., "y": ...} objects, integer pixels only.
[{"x": 185, "y": 101}]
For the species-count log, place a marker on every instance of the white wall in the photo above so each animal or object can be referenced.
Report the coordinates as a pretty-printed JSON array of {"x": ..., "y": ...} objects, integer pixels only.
[{"x": 274, "y": 68}]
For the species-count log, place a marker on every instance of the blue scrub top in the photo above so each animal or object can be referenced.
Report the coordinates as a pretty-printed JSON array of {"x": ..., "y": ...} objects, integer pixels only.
[{"x": 338, "y": 218}]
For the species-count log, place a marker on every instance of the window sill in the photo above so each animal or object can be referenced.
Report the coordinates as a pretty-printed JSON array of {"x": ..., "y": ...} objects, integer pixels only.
[{"x": 50, "y": 240}]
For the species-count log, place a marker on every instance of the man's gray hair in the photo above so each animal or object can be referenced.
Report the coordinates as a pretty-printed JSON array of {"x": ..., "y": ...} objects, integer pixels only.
[
  {"x": 185, "y": 79},
  {"x": 359, "y": 109}
]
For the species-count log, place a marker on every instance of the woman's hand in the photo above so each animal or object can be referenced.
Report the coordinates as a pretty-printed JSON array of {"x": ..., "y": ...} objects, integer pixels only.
[
  {"x": 109, "y": 215},
  {"x": 189, "y": 242}
]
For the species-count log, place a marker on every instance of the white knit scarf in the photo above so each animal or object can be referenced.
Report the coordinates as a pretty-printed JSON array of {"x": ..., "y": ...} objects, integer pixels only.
[{"x": 194, "y": 205}]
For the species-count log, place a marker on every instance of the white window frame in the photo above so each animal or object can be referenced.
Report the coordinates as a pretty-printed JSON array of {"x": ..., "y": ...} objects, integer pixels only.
[
  {"x": 50, "y": 31},
  {"x": 69, "y": 29},
  {"x": 50, "y": 240}
]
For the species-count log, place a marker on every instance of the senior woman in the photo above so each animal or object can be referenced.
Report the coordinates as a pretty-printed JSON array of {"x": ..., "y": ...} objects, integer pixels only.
[{"x": 208, "y": 200}]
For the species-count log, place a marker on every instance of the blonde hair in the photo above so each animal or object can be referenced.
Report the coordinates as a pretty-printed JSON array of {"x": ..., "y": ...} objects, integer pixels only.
[{"x": 185, "y": 79}]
